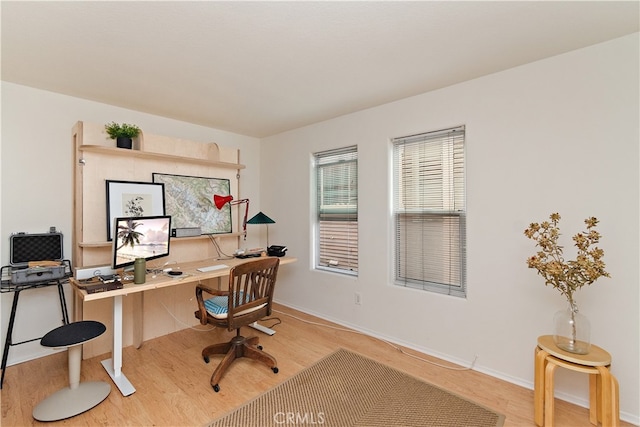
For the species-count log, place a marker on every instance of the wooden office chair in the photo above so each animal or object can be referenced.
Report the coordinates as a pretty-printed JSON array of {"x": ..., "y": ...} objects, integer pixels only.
[{"x": 247, "y": 300}]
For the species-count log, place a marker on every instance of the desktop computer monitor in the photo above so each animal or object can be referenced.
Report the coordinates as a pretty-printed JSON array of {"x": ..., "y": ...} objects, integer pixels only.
[{"x": 145, "y": 237}]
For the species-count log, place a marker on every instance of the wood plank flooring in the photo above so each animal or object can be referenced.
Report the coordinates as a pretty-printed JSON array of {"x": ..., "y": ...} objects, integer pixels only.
[{"x": 172, "y": 380}]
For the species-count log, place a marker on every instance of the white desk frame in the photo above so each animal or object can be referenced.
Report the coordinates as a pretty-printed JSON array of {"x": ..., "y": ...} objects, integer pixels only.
[{"x": 113, "y": 366}]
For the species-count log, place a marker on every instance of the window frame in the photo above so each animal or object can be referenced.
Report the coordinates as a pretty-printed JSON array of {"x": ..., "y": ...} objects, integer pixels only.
[
  {"x": 345, "y": 215},
  {"x": 423, "y": 208}
]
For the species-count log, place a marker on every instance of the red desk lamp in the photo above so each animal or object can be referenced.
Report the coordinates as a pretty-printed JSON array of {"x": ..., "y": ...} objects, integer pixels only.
[{"x": 220, "y": 201}]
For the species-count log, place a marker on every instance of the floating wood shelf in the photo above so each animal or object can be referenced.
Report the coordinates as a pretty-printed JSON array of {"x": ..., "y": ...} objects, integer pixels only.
[{"x": 112, "y": 151}]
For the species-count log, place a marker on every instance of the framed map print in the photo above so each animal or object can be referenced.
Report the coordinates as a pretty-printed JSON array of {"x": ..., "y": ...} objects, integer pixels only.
[{"x": 189, "y": 201}]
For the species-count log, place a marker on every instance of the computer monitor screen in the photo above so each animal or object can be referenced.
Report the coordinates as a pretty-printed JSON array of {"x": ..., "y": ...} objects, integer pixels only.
[{"x": 145, "y": 237}]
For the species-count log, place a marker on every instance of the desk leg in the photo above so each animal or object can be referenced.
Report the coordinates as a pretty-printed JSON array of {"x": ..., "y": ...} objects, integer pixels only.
[
  {"x": 138, "y": 318},
  {"x": 78, "y": 307},
  {"x": 113, "y": 366},
  {"x": 261, "y": 328}
]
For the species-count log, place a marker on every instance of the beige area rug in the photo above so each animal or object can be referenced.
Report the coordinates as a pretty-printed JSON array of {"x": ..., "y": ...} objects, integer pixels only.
[{"x": 346, "y": 389}]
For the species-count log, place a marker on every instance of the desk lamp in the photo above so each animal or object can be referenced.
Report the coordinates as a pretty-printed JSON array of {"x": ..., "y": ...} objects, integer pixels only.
[
  {"x": 220, "y": 201},
  {"x": 261, "y": 218}
]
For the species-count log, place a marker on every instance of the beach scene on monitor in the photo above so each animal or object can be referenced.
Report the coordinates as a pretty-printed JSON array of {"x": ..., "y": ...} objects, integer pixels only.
[{"x": 140, "y": 237}]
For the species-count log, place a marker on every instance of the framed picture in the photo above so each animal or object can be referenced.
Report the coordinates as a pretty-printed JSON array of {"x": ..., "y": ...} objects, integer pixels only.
[
  {"x": 129, "y": 198},
  {"x": 190, "y": 202}
]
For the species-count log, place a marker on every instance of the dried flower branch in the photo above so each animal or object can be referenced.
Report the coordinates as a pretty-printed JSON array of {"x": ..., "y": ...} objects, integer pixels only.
[{"x": 566, "y": 276}]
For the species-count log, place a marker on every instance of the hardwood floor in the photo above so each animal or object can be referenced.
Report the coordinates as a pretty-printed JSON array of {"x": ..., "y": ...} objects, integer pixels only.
[{"x": 173, "y": 389}]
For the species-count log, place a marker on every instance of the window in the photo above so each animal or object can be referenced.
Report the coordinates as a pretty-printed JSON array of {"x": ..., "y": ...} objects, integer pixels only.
[
  {"x": 337, "y": 210},
  {"x": 429, "y": 211}
]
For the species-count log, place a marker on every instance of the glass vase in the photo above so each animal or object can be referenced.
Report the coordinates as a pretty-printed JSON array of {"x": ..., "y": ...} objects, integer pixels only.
[{"x": 572, "y": 330}]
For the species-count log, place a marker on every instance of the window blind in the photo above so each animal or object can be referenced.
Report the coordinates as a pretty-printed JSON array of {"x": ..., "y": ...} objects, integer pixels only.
[
  {"x": 337, "y": 208},
  {"x": 429, "y": 211}
]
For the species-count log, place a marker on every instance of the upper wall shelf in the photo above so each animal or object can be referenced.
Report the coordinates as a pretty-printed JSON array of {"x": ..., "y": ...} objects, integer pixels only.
[{"x": 157, "y": 156}]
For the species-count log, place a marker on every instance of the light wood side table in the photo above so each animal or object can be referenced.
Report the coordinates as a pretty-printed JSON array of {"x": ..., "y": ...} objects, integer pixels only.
[{"x": 603, "y": 386}]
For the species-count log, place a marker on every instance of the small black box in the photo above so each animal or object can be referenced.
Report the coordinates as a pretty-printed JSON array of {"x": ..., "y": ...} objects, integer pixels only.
[{"x": 275, "y": 250}]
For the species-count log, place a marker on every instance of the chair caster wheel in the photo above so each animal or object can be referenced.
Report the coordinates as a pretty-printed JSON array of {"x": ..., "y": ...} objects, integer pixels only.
[
  {"x": 206, "y": 359},
  {"x": 216, "y": 388},
  {"x": 275, "y": 370}
]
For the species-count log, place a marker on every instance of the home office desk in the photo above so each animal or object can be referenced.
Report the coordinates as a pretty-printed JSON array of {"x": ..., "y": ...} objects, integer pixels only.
[{"x": 190, "y": 274}]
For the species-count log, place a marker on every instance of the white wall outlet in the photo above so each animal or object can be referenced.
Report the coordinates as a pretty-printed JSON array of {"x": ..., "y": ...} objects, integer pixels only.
[{"x": 358, "y": 298}]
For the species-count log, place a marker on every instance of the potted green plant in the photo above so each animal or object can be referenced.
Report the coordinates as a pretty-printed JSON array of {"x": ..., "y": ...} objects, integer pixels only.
[{"x": 122, "y": 133}]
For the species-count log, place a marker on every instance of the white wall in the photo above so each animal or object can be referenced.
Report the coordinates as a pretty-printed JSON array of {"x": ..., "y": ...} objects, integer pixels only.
[
  {"x": 36, "y": 186},
  {"x": 559, "y": 135}
]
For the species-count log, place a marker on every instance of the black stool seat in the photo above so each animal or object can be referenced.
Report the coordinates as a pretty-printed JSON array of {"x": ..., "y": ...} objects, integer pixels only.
[
  {"x": 73, "y": 333},
  {"x": 78, "y": 397}
]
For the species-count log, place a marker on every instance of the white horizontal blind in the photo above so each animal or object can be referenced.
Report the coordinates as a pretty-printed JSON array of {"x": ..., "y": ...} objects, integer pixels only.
[
  {"x": 337, "y": 207},
  {"x": 430, "y": 212}
]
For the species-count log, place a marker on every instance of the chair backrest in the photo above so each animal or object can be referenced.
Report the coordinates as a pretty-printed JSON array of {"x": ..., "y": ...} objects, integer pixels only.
[{"x": 251, "y": 286}]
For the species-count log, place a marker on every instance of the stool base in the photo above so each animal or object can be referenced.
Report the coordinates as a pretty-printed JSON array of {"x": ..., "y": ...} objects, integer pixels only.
[
  {"x": 69, "y": 402},
  {"x": 603, "y": 386}
]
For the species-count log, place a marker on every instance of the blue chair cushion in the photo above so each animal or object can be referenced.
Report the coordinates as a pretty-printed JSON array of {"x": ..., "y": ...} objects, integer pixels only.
[{"x": 218, "y": 307}]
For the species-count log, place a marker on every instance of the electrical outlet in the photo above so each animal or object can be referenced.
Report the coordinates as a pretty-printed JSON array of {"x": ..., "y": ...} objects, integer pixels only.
[{"x": 358, "y": 298}]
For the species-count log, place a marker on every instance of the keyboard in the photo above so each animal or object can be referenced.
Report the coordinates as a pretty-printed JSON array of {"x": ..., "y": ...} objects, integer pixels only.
[{"x": 212, "y": 268}]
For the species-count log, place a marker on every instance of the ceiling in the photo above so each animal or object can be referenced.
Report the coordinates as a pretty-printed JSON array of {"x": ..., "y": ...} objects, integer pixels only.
[{"x": 261, "y": 68}]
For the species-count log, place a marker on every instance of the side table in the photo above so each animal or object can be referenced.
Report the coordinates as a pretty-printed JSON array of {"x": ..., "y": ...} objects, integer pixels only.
[{"x": 603, "y": 386}]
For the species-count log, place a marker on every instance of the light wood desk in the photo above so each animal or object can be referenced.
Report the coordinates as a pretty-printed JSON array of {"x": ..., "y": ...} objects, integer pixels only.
[{"x": 190, "y": 274}]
